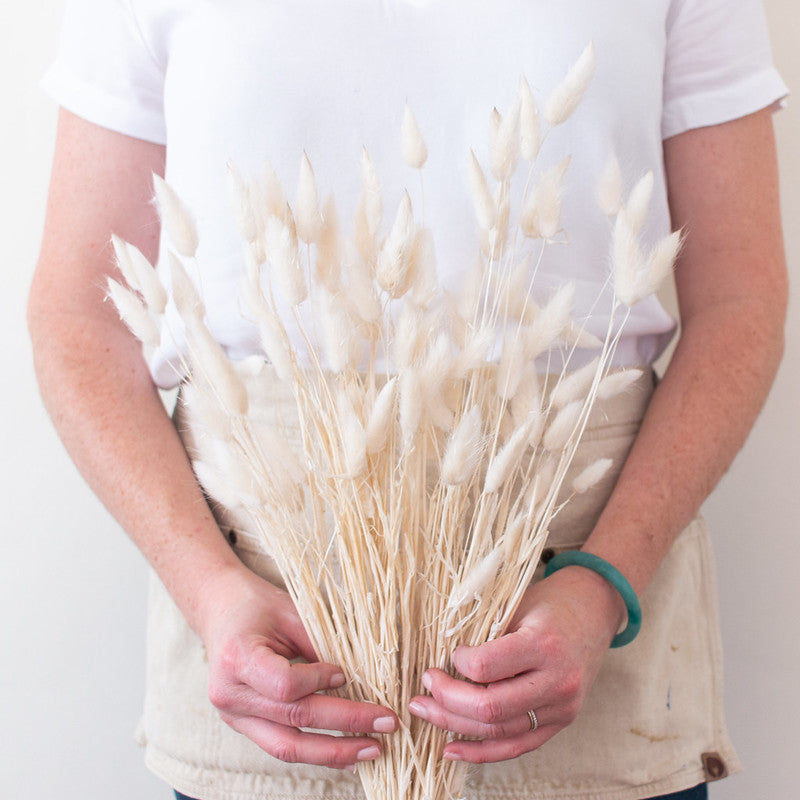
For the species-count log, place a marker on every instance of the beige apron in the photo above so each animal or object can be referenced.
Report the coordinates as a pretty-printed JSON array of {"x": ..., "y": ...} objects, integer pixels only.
[{"x": 652, "y": 723}]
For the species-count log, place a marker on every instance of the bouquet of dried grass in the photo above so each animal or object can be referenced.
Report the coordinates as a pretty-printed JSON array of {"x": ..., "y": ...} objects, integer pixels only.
[{"x": 433, "y": 451}]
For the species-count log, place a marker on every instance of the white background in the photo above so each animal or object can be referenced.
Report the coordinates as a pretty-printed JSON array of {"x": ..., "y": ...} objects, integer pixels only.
[{"x": 72, "y": 587}]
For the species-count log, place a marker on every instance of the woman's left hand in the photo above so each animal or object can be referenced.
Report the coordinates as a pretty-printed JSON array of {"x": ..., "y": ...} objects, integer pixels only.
[{"x": 546, "y": 662}]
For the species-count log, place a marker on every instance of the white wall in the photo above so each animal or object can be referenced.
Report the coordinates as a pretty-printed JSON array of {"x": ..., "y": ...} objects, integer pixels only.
[{"x": 72, "y": 588}]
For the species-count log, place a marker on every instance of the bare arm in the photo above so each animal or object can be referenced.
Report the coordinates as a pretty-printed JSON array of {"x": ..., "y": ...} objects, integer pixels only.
[
  {"x": 732, "y": 290},
  {"x": 106, "y": 409}
]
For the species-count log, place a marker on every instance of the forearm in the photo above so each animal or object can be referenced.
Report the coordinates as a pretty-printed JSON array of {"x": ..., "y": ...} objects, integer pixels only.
[
  {"x": 699, "y": 417},
  {"x": 109, "y": 415}
]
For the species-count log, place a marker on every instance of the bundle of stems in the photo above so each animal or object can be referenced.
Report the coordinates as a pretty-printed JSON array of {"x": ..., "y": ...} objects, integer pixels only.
[{"x": 433, "y": 449}]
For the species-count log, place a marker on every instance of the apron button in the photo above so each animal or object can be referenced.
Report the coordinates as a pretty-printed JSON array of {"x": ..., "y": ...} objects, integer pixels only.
[{"x": 714, "y": 766}]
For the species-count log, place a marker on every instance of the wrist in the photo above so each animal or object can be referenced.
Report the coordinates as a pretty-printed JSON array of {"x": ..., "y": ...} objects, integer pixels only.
[{"x": 613, "y": 578}]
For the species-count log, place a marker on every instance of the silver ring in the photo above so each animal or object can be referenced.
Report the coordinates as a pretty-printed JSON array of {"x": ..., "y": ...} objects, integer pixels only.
[{"x": 534, "y": 721}]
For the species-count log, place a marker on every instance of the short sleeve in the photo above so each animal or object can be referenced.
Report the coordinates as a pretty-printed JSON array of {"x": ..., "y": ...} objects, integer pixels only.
[
  {"x": 104, "y": 71},
  {"x": 718, "y": 64}
]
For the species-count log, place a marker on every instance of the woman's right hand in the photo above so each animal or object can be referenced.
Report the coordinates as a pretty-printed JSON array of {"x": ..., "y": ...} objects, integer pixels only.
[{"x": 253, "y": 636}]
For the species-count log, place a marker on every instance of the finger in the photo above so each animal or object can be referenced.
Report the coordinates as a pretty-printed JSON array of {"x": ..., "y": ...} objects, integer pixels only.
[
  {"x": 505, "y": 657},
  {"x": 276, "y": 677},
  {"x": 490, "y": 750},
  {"x": 493, "y": 704},
  {"x": 428, "y": 709},
  {"x": 293, "y": 746},
  {"x": 318, "y": 711}
]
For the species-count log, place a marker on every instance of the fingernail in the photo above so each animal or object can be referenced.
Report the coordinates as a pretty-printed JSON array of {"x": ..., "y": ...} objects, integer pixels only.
[
  {"x": 417, "y": 709},
  {"x": 337, "y": 680},
  {"x": 368, "y": 753},
  {"x": 384, "y": 725},
  {"x": 451, "y": 756},
  {"x": 427, "y": 680}
]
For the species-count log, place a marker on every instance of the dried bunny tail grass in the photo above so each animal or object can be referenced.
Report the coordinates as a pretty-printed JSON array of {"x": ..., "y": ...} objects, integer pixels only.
[
  {"x": 408, "y": 344},
  {"x": 394, "y": 258},
  {"x": 498, "y": 235},
  {"x": 434, "y": 370},
  {"x": 617, "y": 382},
  {"x": 272, "y": 334},
  {"x": 639, "y": 202},
  {"x": 541, "y": 214},
  {"x": 328, "y": 266},
  {"x": 507, "y": 459},
  {"x": 568, "y": 94},
  {"x": 176, "y": 218},
  {"x": 530, "y": 132},
  {"x": 360, "y": 289},
  {"x": 381, "y": 416},
  {"x": 510, "y": 370},
  {"x": 550, "y": 321},
  {"x": 140, "y": 275},
  {"x": 217, "y": 484},
  {"x": 184, "y": 293},
  {"x": 562, "y": 429},
  {"x": 609, "y": 188},
  {"x": 475, "y": 352},
  {"x": 473, "y": 585},
  {"x": 485, "y": 208},
  {"x": 353, "y": 437},
  {"x": 209, "y": 361},
  {"x": 574, "y": 384},
  {"x": 306, "y": 206},
  {"x": 634, "y": 275},
  {"x": 464, "y": 450},
  {"x": 284, "y": 260},
  {"x": 415, "y": 153},
  {"x": 371, "y": 201},
  {"x": 425, "y": 285},
  {"x": 528, "y": 397},
  {"x": 505, "y": 143},
  {"x": 576, "y": 335},
  {"x": 340, "y": 342},
  {"x": 592, "y": 475},
  {"x": 273, "y": 197},
  {"x": 410, "y": 406},
  {"x": 134, "y": 314},
  {"x": 242, "y": 203}
]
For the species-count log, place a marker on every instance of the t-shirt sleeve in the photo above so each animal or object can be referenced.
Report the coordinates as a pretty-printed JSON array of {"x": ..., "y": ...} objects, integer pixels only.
[
  {"x": 718, "y": 64},
  {"x": 104, "y": 71}
]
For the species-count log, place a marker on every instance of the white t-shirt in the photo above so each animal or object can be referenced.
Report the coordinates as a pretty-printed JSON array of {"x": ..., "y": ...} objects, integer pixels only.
[{"x": 246, "y": 81}]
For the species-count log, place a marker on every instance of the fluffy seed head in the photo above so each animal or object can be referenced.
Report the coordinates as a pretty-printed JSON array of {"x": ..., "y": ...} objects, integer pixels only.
[
  {"x": 485, "y": 209},
  {"x": 541, "y": 214},
  {"x": 464, "y": 449},
  {"x": 284, "y": 260},
  {"x": 592, "y": 475},
  {"x": 381, "y": 417},
  {"x": 569, "y": 93},
  {"x": 529, "y": 128},
  {"x": 306, "y": 207},
  {"x": 175, "y": 218},
  {"x": 505, "y": 143},
  {"x": 415, "y": 153},
  {"x": 609, "y": 188},
  {"x": 562, "y": 429},
  {"x": 617, "y": 382},
  {"x": 133, "y": 313}
]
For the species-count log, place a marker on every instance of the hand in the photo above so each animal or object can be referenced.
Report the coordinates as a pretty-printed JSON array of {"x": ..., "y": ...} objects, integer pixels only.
[
  {"x": 252, "y": 631},
  {"x": 546, "y": 662}
]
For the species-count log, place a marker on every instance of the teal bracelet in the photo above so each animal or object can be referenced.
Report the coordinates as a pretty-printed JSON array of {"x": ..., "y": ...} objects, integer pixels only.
[{"x": 578, "y": 558}]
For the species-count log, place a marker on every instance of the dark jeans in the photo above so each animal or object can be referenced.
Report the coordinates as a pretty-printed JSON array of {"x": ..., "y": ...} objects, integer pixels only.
[{"x": 698, "y": 793}]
